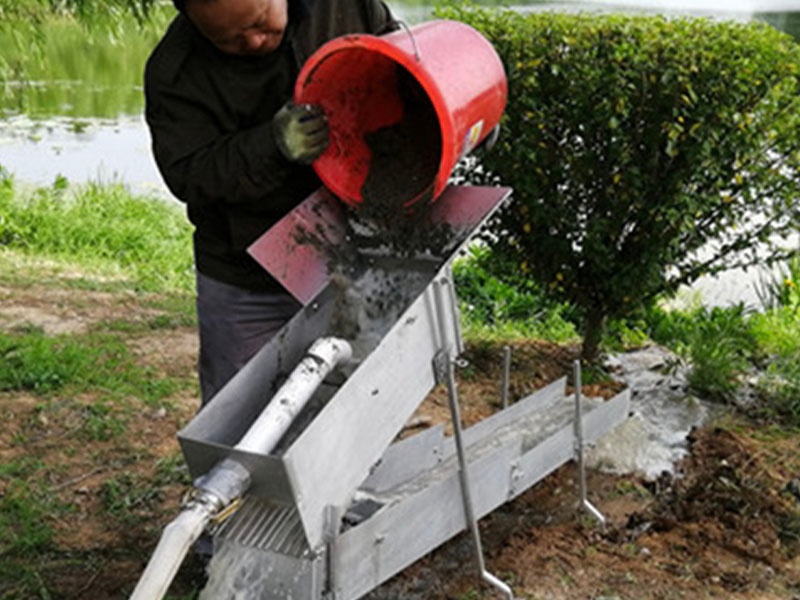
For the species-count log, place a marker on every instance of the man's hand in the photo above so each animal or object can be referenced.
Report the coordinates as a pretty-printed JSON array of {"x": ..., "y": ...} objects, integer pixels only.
[{"x": 301, "y": 132}]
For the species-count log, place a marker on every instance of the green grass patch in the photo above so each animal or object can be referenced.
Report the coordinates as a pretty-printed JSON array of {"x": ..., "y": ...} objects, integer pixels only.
[
  {"x": 777, "y": 332},
  {"x": 26, "y": 535},
  {"x": 103, "y": 228},
  {"x": 726, "y": 346},
  {"x": 156, "y": 323},
  {"x": 95, "y": 362}
]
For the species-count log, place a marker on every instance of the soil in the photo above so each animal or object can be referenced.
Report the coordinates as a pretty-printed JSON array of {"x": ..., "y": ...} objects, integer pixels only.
[
  {"x": 398, "y": 189},
  {"x": 727, "y": 527},
  {"x": 406, "y": 155}
]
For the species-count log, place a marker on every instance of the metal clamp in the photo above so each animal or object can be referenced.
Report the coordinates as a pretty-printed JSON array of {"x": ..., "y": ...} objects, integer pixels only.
[{"x": 226, "y": 511}]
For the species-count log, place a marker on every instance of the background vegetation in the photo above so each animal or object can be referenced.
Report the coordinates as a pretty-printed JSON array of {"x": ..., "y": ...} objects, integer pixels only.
[
  {"x": 634, "y": 142},
  {"x": 78, "y": 59},
  {"x": 102, "y": 228}
]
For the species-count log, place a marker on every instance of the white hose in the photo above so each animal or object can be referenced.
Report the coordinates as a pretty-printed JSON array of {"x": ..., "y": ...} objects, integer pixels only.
[{"x": 175, "y": 542}]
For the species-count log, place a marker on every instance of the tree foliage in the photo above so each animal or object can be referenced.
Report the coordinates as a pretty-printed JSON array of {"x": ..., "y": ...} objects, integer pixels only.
[
  {"x": 86, "y": 11},
  {"x": 634, "y": 142}
]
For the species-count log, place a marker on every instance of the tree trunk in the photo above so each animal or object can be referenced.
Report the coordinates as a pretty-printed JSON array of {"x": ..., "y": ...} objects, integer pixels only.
[{"x": 593, "y": 326}]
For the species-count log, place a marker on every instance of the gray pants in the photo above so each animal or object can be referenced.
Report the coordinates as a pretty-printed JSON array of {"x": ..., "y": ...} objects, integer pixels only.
[{"x": 234, "y": 324}]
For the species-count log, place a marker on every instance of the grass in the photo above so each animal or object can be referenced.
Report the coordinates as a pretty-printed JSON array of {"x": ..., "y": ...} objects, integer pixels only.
[
  {"x": 91, "y": 388},
  {"x": 73, "y": 364},
  {"x": 723, "y": 347},
  {"x": 727, "y": 349},
  {"x": 102, "y": 228},
  {"x": 83, "y": 408}
]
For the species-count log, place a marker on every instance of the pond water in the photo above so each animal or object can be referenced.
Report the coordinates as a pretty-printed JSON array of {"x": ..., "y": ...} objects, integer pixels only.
[{"x": 79, "y": 113}]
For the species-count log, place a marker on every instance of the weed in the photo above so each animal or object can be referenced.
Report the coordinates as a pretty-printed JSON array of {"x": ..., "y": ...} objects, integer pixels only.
[
  {"x": 594, "y": 373},
  {"x": 622, "y": 335},
  {"x": 21, "y": 467},
  {"x": 718, "y": 343},
  {"x": 39, "y": 363},
  {"x": 627, "y": 486},
  {"x": 777, "y": 332},
  {"x": 180, "y": 308},
  {"x": 102, "y": 422},
  {"x": 781, "y": 290},
  {"x": 24, "y": 529},
  {"x": 168, "y": 321},
  {"x": 720, "y": 347},
  {"x": 172, "y": 469},
  {"x": 779, "y": 389}
]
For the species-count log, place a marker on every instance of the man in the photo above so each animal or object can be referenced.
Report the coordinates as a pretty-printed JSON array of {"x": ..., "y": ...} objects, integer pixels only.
[{"x": 230, "y": 144}]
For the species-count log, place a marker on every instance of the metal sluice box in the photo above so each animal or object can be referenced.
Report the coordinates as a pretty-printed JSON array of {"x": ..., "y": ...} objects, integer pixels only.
[{"x": 337, "y": 508}]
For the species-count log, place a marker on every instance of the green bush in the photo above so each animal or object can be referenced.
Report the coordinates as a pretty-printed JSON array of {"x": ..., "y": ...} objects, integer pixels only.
[
  {"x": 509, "y": 308},
  {"x": 631, "y": 142}
]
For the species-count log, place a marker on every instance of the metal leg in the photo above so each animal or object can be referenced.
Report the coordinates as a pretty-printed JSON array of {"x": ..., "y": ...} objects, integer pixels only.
[
  {"x": 455, "y": 413},
  {"x": 506, "y": 373},
  {"x": 333, "y": 519},
  {"x": 584, "y": 501}
]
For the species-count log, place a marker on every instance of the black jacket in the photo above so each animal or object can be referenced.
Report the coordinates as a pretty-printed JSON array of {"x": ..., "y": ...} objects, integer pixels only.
[{"x": 210, "y": 121}]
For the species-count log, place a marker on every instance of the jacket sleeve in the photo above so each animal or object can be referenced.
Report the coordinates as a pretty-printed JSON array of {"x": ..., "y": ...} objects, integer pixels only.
[{"x": 202, "y": 165}]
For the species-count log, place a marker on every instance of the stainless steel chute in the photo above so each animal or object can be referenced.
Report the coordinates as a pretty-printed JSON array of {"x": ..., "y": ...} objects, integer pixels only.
[{"x": 336, "y": 508}]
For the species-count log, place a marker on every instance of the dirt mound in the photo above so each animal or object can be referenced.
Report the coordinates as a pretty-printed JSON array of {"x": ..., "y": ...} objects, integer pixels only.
[{"x": 731, "y": 496}]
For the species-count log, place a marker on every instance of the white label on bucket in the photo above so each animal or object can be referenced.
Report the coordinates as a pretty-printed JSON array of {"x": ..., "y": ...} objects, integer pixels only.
[{"x": 472, "y": 137}]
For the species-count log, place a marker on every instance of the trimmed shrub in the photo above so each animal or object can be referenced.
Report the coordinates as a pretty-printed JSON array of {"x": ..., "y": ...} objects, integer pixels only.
[{"x": 633, "y": 142}]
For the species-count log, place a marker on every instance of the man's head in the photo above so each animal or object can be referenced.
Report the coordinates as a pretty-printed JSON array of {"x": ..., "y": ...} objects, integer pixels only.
[{"x": 241, "y": 27}]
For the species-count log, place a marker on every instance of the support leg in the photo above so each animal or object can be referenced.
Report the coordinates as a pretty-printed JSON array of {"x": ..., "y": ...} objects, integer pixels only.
[
  {"x": 466, "y": 496},
  {"x": 584, "y": 500}
]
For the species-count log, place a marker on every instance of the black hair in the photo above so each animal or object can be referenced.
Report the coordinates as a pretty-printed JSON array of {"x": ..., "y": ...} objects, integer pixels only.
[{"x": 180, "y": 5}]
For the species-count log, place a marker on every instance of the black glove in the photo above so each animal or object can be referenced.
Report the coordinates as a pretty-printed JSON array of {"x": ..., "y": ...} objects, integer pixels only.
[{"x": 301, "y": 132}]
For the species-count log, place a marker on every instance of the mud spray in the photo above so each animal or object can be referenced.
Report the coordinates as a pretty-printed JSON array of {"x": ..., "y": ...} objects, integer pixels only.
[{"x": 376, "y": 280}]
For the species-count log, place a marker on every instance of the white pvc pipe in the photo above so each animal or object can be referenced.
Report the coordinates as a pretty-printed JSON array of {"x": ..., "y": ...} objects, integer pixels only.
[
  {"x": 267, "y": 430},
  {"x": 263, "y": 435}
]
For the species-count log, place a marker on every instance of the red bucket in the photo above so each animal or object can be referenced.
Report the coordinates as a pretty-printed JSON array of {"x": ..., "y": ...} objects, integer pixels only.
[{"x": 414, "y": 101}]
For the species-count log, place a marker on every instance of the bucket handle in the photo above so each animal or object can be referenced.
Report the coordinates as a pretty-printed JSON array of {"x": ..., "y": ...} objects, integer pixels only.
[{"x": 411, "y": 35}]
